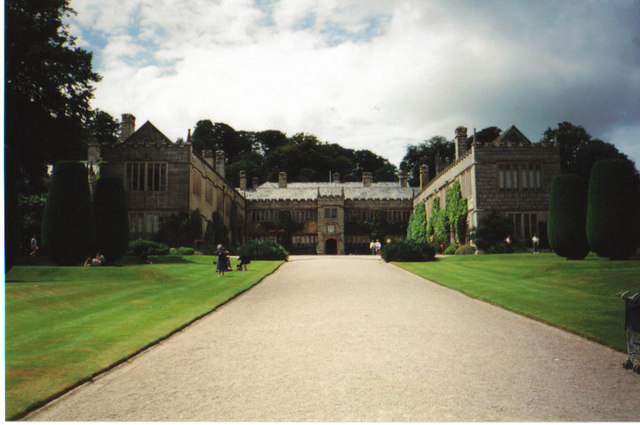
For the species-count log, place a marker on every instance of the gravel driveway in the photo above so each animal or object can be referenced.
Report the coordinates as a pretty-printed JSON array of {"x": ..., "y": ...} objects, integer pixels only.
[{"x": 354, "y": 339}]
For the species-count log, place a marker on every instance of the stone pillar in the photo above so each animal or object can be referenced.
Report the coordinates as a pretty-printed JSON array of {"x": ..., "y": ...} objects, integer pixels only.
[
  {"x": 243, "y": 180},
  {"x": 424, "y": 176},
  {"x": 403, "y": 179},
  {"x": 93, "y": 151},
  {"x": 461, "y": 142},
  {"x": 336, "y": 177},
  {"x": 127, "y": 126},
  {"x": 367, "y": 178},
  {"x": 254, "y": 183},
  {"x": 207, "y": 155},
  {"x": 220, "y": 162},
  {"x": 282, "y": 180}
]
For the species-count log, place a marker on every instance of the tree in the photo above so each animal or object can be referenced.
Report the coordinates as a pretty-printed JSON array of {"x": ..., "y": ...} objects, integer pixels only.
[
  {"x": 566, "y": 224},
  {"x": 215, "y": 233},
  {"x": 378, "y": 225},
  {"x": 68, "y": 224},
  {"x": 456, "y": 212},
  {"x": 492, "y": 230},
  {"x": 11, "y": 211},
  {"x": 426, "y": 153},
  {"x": 48, "y": 86},
  {"x": 112, "y": 222},
  {"x": 103, "y": 127},
  {"x": 417, "y": 229},
  {"x": 578, "y": 151},
  {"x": 613, "y": 208},
  {"x": 438, "y": 224}
]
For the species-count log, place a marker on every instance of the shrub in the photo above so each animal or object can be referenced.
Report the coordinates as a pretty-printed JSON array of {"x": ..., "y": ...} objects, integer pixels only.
[
  {"x": 566, "y": 224},
  {"x": 466, "y": 250},
  {"x": 417, "y": 228},
  {"x": 258, "y": 249},
  {"x": 185, "y": 250},
  {"x": 215, "y": 233},
  {"x": 451, "y": 249},
  {"x": 407, "y": 250},
  {"x": 613, "y": 208},
  {"x": 68, "y": 222},
  {"x": 491, "y": 232},
  {"x": 112, "y": 222},
  {"x": 140, "y": 246}
]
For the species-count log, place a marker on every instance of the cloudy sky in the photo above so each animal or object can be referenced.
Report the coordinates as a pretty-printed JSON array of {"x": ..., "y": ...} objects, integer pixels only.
[{"x": 378, "y": 75}]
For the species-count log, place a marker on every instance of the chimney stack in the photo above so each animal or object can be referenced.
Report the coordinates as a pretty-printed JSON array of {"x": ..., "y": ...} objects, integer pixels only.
[
  {"x": 424, "y": 176},
  {"x": 254, "y": 183},
  {"x": 207, "y": 155},
  {"x": 220, "y": 162},
  {"x": 282, "y": 180},
  {"x": 336, "y": 177},
  {"x": 403, "y": 179},
  {"x": 243, "y": 180},
  {"x": 367, "y": 178},
  {"x": 127, "y": 126},
  {"x": 461, "y": 142}
]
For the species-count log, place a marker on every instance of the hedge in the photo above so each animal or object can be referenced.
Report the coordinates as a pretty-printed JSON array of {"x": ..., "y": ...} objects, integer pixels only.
[
  {"x": 407, "y": 250},
  {"x": 258, "y": 249},
  {"x": 140, "y": 246},
  {"x": 112, "y": 222},
  {"x": 613, "y": 208},
  {"x": 566, "y": 224},
  {"x": 68, "y": 222}
]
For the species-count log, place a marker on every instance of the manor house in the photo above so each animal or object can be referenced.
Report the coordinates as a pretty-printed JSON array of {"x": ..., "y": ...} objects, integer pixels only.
[{"x": 510, "y": 175}]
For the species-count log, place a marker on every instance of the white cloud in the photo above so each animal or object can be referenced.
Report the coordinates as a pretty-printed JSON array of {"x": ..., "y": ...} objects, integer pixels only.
[{"x": 375, "y": 75}]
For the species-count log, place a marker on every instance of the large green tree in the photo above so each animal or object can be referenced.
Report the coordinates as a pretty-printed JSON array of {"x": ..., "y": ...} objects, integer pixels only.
[
  {"x": 455, "y": 209},
  {"x": 566, "y": 225},
  {"x": 48, "y": 85},
  {"x": 426, "y": 153},
  {"x": 417, "y": 228},
  {"x": 112, "y": 221}
]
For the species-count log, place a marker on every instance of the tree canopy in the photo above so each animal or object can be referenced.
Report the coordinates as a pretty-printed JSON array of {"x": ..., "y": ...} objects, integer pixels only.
[{"x": 48, "y": 86}]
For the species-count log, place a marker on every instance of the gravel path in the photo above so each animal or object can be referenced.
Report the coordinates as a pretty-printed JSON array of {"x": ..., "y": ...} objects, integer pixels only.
[{"x": 355, "y": 339}]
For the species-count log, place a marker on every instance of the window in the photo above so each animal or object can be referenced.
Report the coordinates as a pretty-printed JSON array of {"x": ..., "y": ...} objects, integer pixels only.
[
  {"x": 330, "y": 213},
  {"x": 146, "y": 176},
  {"x": 519, "y": 177}
]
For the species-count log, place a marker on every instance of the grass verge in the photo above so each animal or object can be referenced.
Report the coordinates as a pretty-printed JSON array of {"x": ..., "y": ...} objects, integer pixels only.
[
  {"x": 580, "y": 296},
  {"x": 65, "y": 324}
]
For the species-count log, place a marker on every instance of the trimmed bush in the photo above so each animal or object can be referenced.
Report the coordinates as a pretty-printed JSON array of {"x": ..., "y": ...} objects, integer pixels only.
[
  {"x": 258, "y": 249},
  {"x": 417, "y": 228},
  {"x": 613, "y": 208},
  {"x": 566, "y": 224},
  {"x": 451, "y": 249},
  {"x": 407, "y": 250},
  {"x": 68, "y": 222},
  {"x": 140, "y": 246},
  {"x": 112, "y": 222},
  {"x": 185, "y": 250},
  {"x": 466, "y": 250}
]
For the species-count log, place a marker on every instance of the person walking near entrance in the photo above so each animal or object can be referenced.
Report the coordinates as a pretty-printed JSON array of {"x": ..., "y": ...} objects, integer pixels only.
[
  {"x": 378, "y": 246},
  {"x": 372, "y": 247}
]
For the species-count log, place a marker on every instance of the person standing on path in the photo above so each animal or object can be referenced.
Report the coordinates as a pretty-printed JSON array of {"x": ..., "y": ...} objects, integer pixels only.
[
  {"x": 222, "y": 260},
  {"x": 536, "y": 242},
  {"x": 372, "y": 247}
]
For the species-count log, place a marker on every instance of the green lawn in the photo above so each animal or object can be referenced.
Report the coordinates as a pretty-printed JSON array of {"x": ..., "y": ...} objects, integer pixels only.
[
  {"x": 580, "y": 296},
  {"x": 64, "y": 324}
]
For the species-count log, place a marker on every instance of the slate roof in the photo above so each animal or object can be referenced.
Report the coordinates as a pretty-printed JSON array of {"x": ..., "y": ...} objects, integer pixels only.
[
  {"x": 147, "y": 134},
  {"x": 511, "y": 136},
  {"x": 312, "y": 191}
]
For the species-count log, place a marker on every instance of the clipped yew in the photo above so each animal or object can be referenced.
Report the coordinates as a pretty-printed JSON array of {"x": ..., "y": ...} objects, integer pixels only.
[
  {"x": 613, "y": 208},
  {"x": 68, "y": 223},
  {"x": 566, "y": 224},
  {"x": 112, "y": 222}
]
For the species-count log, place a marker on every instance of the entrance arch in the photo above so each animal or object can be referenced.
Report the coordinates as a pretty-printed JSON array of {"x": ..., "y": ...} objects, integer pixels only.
[{"x": 331, "y": 247}]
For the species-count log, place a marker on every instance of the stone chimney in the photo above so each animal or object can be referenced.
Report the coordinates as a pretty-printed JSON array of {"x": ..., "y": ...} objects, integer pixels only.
[
  {"x": 403, "y": 179},
  {"x": 282, "y": 180},
  {"x": 220, "y": 162},
  {"x": 254, "y": 183},
  {"x": 207, "y": 155},
  {"x": 93, "y": 150},
  {"x": 336, "y": 177},
  {"x": 243, "y": 180},
  {"x": 424, "y": 176},
  {"x": 127, "y": 126},
  {"x": 461, "y": 142},
  {"x": 367, "y": 178},
  {"x": 439, "y": 164}
]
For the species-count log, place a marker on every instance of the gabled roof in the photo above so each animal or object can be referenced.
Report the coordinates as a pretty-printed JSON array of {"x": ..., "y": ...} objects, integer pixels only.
[
  {"x": 512, "y": 137},
  {"x": 147, "y": 134}
]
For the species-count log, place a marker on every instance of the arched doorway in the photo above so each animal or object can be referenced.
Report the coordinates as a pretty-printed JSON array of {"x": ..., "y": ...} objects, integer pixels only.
[{"x": 331, "y": 247}]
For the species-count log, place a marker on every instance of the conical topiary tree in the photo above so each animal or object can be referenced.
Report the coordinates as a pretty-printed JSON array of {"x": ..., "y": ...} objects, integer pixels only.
[
  {"x": 112, "y": 222},
  {"x": 566, "y": 224},
  {"x": 417, "y": 228},
  {"x": 613, "y": 208},
  {"x": 68, "y": 223}
]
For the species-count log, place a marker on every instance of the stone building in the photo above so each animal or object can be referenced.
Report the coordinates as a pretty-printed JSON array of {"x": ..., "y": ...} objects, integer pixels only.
[
  {"x": 510, "y": 175},
  {"x": 162, "y": 178},
  {"x": 330, "y": 216}
]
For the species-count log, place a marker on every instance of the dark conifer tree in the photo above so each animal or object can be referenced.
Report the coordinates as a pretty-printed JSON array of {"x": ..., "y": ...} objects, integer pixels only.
[
  {"x": 112, "y": 222},
  {"x": 566, "y": 225}
]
